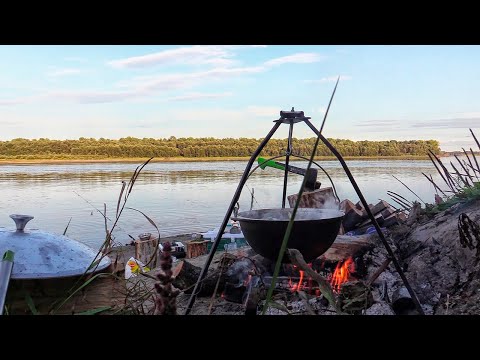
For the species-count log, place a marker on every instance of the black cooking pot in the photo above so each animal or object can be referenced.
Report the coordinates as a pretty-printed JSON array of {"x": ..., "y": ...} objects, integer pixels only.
[{"x": 313, "y": 232}]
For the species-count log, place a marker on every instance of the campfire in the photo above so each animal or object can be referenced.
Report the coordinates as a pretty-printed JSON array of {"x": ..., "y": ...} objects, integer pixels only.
[
  {"x": 355, "y": 269},
  {"x": 248, "y": 279},
  {"x": 342, "y": 273}
]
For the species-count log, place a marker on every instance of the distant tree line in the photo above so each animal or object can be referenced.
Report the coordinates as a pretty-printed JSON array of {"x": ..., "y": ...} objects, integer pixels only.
[{"x": 201, "y": 147}]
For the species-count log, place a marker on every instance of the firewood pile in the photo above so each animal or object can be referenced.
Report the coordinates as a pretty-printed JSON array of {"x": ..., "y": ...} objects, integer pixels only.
[{"x": 356, "y": 219}]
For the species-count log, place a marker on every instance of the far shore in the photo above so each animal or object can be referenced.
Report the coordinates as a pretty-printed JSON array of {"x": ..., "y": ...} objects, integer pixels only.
[{"x": 183, "y": 159}]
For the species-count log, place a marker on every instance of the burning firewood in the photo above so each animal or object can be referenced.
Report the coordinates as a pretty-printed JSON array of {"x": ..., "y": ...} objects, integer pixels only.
[{"x": 297, "y": 259}]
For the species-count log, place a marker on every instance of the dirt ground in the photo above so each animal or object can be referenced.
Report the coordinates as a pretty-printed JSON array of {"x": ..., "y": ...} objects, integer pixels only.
[{"x": 444, "y": 274}]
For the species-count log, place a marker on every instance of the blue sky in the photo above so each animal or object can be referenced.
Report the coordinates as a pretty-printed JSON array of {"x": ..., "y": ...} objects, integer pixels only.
[{"x": 385, "y": 92}]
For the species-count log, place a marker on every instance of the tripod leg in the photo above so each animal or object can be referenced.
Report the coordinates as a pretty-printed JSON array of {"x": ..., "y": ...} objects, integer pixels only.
[
  {"x": 287, "y": 159},
  {"x": 370, "y": 215},
  {"x": 227, "y": 216}
]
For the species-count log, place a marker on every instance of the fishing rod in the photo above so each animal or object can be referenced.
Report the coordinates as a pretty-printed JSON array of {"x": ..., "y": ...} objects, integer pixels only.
[{"x": 104, "y": 215}]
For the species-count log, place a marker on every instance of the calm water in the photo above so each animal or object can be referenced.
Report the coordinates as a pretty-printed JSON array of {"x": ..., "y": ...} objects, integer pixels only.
[{"x": 179, "y": 197}]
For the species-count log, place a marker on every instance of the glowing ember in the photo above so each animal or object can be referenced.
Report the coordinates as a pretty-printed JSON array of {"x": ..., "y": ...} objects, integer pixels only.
[{"x": 342, "y": 273}]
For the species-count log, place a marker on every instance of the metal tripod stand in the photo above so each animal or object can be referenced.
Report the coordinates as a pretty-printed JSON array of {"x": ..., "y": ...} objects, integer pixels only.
[{"x": 292, "y": 117}]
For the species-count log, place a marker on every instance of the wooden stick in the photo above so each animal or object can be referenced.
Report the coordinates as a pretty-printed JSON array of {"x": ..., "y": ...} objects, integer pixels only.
[
  {"x": 297, "y": 259},
  {"x": 406, "y": 201},
  {"x": 222, "y": 269},
  {"x": 379, "y": 271},
  {"x": 408, "y": 189},
  {"x": 213, "y": 295}
]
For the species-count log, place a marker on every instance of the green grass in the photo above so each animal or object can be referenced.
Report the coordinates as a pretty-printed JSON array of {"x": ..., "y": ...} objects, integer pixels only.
[{"x": 464, "y": 195}]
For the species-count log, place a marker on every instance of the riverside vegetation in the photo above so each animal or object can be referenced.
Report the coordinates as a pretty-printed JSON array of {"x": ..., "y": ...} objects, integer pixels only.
[{"x": 201, "y": 148}]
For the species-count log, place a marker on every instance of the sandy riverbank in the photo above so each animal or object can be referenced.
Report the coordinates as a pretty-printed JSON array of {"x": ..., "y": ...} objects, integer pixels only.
[{"x": 183, "y": 159}]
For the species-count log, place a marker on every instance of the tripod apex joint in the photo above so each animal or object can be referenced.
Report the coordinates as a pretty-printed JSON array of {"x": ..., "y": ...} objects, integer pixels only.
[{"x": 291, "y": 116}]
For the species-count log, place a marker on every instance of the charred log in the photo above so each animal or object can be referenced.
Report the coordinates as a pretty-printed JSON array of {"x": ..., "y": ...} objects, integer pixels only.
[
  {"x": 354, "y": 297},
  {"x": 187, "y": 275}
]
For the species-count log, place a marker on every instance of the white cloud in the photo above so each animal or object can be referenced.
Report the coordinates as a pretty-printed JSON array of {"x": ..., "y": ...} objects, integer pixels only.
[
  {"x": 328, "y": 79},
  {"x": 144, "y": 86},
  {"x": 187, "y": 80},
  {"x": 459, "y": 122},
  {"x": 219, "y": 56},
  {"x": 192, "y": 55},
  {"x": 64, "y": 72},
  {"x": 93, "y": 97},
  {"x": 198, "y": 96},
  {"x": 463, "y": 115},
  {"x": 299, "y": 58},
  {"x": 11, "y": 102}
]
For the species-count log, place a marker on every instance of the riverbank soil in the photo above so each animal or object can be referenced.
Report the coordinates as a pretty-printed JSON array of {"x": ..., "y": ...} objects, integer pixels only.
[
  {"x": 442, "y": 267},
  {"x": 444, "y": 274}
]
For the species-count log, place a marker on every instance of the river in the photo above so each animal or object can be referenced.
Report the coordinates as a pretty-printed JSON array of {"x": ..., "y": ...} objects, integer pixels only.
[{"x": 181, "y": 197}]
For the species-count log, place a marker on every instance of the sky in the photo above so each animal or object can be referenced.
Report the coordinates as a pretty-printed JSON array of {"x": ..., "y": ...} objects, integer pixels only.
[{"x": 385, "y": 92}]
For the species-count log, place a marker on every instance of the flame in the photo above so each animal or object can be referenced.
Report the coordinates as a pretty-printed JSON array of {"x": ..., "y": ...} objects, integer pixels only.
[
  {"x": 301, "y": 279},
  {"x": 297, "y": 287},
  {"x": 342, "y": 273}
]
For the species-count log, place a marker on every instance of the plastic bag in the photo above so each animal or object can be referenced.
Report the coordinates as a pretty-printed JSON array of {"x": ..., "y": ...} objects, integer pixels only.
[{"x": 133, "y": 268}]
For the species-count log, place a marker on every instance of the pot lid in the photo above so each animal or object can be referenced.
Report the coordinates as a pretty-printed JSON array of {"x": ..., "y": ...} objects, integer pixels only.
[{"x": 41, "y": 255}]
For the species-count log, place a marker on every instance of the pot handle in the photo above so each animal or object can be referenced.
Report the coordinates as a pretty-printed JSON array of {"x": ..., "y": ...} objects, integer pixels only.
[{"x": 21, "y": 221}]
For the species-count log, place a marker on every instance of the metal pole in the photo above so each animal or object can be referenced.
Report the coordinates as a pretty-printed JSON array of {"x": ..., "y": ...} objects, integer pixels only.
[
  {"x": 370, "y": 215},
  {"x": 244, "y": 178},
  {"x": 5, "y": 272},
  {"x": 287, "y": 159}
]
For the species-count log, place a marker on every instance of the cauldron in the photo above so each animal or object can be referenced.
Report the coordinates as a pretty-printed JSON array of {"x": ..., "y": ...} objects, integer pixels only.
[{"x": 313, "y": 232}]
